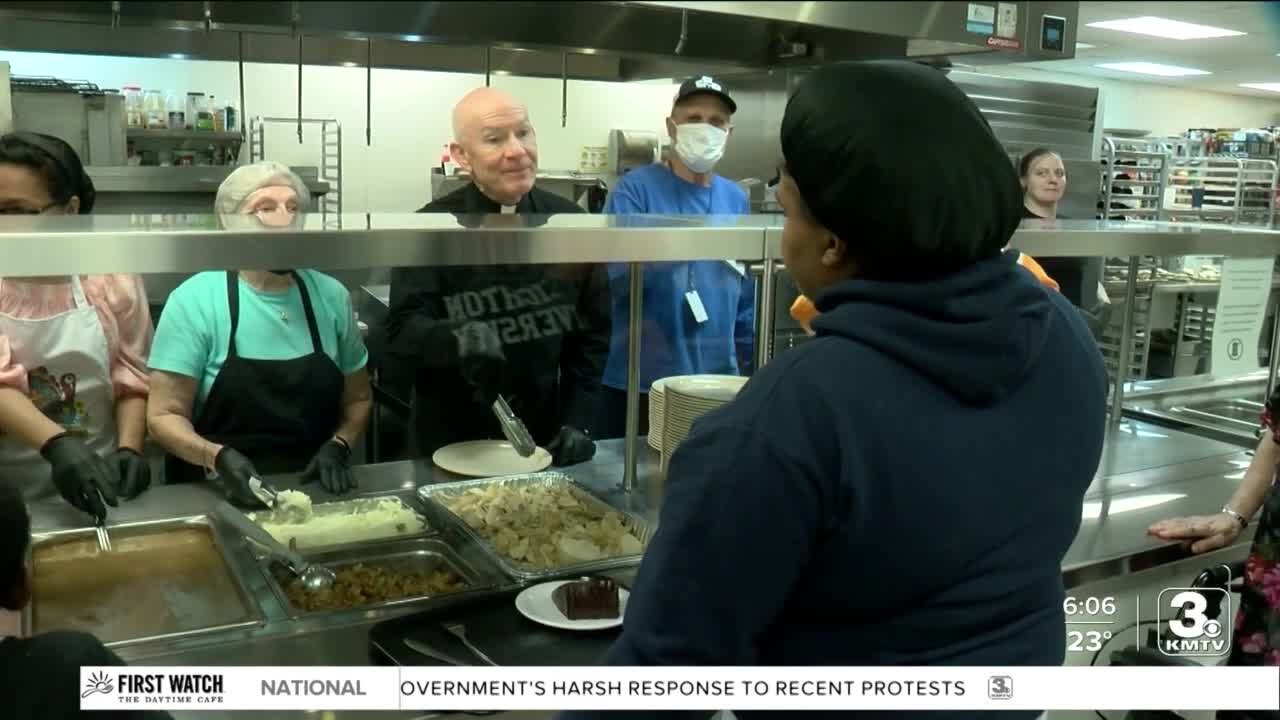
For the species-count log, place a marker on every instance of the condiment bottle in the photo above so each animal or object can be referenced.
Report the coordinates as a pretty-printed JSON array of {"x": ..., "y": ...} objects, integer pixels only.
[{"x": 133, "y": 106}]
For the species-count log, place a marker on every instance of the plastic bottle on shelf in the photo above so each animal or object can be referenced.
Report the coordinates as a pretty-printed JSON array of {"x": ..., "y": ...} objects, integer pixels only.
[
  {"x": 193, "y": 106},
  {"x": 177, "y": 110},
  {"x": 219, "y": 114},
  {"x": 204, "y": 117},
  {"x": 233, "y": 118},
  {"x": 153, "y": 108},
  {"x": 133, "y": 106}
]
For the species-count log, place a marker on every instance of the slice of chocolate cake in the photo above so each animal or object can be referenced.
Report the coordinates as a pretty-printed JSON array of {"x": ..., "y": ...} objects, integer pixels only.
[{"x": 594, "y": 598}]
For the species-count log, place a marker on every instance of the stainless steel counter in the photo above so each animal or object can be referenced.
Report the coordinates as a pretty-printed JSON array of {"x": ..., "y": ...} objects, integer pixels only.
[
  {"x": 1226, "y": 409},
  {"x": 1149, "y": 473}
]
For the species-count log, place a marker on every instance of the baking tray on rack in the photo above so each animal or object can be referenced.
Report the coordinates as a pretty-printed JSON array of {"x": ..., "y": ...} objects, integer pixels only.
[{"x": 440, "y": 516}]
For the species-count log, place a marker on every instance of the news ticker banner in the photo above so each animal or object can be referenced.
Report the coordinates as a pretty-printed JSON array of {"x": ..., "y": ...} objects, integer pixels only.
[{"x": 680, "y": 688}]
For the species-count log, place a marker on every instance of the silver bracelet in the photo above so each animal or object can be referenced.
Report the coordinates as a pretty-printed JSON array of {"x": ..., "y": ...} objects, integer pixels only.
[{"x": 1244, "y": 521}]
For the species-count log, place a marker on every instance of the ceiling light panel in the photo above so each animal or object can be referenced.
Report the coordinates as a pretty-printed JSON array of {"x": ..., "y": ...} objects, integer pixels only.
[
  {"x": 1146, "y": 68},
  {"x": 1165, "y": 28}
]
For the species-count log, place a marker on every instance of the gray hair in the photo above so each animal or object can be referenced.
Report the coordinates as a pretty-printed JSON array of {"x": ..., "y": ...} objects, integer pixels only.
[{"x": 248, "y": 179}]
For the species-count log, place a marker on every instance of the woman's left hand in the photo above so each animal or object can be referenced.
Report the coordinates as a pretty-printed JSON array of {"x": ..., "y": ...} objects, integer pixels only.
[
  {"x": 135, "y": 472},
  {"x": 1201, "y": 532},
  {"x": 331, "y": 465}
]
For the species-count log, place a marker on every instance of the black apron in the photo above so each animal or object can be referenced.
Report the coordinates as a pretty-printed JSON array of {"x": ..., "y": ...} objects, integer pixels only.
[{"x": 277, "y": 412}]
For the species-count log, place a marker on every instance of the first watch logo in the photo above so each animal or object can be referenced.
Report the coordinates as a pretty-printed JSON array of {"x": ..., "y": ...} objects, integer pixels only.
[
  {"x": 1192, "y": 633},
  {"x": 97, "y": 683}
]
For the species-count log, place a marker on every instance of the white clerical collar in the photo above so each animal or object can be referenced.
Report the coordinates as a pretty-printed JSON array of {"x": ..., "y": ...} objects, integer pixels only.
[{"x": 508, "y": 209}]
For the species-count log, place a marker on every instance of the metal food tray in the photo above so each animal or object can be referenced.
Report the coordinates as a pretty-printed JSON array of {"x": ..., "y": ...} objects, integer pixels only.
[
  {"x": 405, "y": 497},
  {"x": 441, "y": 516},
  {"x": 418, "y": 555},
  {"x": 235, "y": 606}
]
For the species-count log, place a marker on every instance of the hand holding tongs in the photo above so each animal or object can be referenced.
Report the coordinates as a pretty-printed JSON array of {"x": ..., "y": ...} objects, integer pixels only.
[{"x": 513, "y": 428}]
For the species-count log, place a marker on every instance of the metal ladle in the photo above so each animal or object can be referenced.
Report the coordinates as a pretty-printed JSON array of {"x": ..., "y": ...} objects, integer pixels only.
[{"x": 313, "y": 577}]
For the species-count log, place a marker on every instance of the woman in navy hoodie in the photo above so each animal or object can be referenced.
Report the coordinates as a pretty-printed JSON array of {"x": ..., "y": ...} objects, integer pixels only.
[{"x": 900, "y": 490}]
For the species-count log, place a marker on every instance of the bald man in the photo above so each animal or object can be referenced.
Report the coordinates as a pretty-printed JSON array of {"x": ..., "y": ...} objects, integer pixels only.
[{"x": 536, "y": 334}]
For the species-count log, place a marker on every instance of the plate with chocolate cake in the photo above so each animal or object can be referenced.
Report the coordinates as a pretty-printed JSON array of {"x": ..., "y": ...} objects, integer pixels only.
[{"x": 591, "y": 603}]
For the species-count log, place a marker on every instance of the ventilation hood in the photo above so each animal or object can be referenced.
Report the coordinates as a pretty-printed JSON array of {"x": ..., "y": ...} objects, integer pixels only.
[{"x": 578, "y": 40}]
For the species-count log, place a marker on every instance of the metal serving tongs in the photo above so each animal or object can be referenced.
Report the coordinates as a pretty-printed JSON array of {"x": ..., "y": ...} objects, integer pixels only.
[
  {"x": 260, "y": 490},
  {"x": 313, "y": 577},
  {"x": 513, "y": 428}
]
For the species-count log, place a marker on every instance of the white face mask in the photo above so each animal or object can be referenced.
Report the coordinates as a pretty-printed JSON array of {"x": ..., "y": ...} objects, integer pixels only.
[{"x": 700, "y": 146}]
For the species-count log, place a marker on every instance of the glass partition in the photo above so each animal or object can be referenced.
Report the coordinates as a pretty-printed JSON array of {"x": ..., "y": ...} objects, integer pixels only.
[{"x": 460, "y": 321}]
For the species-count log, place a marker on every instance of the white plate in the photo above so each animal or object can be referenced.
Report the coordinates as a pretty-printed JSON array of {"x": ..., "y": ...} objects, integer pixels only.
[
  {"x": 536, "y": 604},
  {"x": 489, "y": 458},
  {"x": 703, "y": 388}
]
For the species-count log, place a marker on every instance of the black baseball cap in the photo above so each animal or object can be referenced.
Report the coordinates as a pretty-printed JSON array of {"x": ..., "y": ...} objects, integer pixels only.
[{"x": 705, "y": 85}]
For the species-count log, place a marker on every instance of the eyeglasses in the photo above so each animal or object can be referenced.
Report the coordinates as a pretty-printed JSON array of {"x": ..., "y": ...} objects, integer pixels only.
[
  {"x": 28, "y": 211},
  {"x": 275, "y": 211}
]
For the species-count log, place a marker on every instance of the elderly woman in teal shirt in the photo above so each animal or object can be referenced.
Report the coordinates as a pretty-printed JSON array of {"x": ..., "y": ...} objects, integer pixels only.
[{"x": 259, "y": 371}]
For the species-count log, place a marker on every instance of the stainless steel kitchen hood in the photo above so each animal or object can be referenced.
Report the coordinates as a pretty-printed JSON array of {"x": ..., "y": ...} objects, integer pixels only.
[{"x": 583, "y": 40}]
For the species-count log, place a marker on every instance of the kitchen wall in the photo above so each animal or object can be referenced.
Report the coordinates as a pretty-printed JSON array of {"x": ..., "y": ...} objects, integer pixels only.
[
  {"x": 411, "y": 113},
  {"x": 1162, "y": 109}
]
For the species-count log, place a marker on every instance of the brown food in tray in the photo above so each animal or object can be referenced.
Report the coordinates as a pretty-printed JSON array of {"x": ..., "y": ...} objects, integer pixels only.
[
  {"x": 155, "y": 582},
  {"x": 359, "y": 585},
  {"x": 588, "y": 599}
]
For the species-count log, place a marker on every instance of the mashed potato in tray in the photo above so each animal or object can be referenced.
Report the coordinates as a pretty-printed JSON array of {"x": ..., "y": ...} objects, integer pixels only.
[
  {"x": 543, "y": 527},
  {"x": 339, "y": 523}
]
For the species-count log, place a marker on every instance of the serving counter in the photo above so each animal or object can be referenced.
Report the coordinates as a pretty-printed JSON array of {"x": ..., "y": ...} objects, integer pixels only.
[{"x": 1146, "y": 476}]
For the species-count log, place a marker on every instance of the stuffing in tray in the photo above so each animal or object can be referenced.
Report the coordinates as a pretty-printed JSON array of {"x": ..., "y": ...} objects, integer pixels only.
[
  {"x": 359, "y": 585},
  {"x": 543, "y": 526}
]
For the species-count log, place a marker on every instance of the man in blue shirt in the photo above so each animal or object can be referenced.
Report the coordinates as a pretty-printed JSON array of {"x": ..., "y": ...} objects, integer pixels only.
[{"x": 699, "y": 317}]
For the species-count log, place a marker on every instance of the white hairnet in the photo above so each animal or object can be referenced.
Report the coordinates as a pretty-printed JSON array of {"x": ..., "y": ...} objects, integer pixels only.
[{"x": 248, "y": 179}]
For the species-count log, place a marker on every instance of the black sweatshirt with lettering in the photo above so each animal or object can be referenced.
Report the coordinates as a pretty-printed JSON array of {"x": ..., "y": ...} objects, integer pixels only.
[{"x": 553, "y": 321}]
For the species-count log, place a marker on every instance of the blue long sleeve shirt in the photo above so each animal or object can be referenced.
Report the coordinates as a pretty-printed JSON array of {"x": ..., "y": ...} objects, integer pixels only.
[{"x": 673, "y": 341}]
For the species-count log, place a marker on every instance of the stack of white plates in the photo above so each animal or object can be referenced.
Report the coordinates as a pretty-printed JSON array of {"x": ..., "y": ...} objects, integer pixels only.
[
  {"x": 685, "y": 398},
  {"x": 658, "y": 401}
]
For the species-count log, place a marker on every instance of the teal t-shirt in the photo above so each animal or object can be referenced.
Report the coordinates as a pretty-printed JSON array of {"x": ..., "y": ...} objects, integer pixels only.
[{"x": 195, "y": 327}]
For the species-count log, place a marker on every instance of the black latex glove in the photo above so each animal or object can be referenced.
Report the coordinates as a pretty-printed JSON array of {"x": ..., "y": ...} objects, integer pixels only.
[
  {"x": 235, "y": 470},
  {"x": 83, "y": 478},
  {"x": 135, "y": 472},
  {"x": 332, "y": 467},
  {"x": 481, "y": 360},
  {"x": 571, "y": 446}
]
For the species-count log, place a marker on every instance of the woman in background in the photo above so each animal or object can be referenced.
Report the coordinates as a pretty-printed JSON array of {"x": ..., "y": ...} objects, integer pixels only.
[
  {"x": 259, "y": 371},
  {"x": 1256, "y": 640},
  {"x": 73, "y": 352}
]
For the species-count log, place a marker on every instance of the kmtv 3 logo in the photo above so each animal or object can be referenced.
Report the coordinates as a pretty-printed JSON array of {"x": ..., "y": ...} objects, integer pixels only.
[{"x": 1191, "y": 632}]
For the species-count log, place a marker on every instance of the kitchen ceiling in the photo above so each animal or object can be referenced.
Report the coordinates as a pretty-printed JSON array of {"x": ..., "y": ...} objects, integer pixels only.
[{"x": 1249, "y": 58}]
